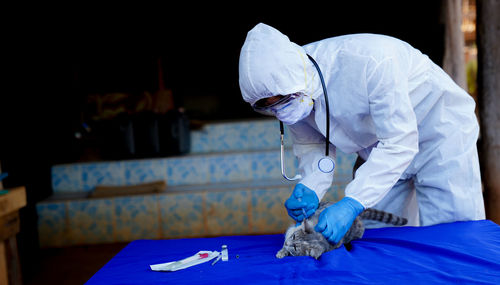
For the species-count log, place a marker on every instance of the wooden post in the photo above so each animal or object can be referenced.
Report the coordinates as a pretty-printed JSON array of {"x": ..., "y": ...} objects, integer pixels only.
[
  {"x": 1, "y": 183},
  {"x": 454, "y": 58},
  {"x": 4, "y": 273},
  {"x": 488, "y": 41}
]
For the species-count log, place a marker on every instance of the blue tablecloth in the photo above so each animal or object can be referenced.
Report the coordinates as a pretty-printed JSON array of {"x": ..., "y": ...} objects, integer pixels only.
[{"x": 461, "y": 252}]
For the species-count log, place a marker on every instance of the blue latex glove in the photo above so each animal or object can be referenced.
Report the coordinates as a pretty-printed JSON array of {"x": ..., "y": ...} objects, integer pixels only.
[
  {"x": 302, "y": 203},
  {"x": 335, "y": 221}
]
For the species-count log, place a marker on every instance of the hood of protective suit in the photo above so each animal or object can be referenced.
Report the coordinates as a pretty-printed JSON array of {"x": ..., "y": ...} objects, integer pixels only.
[{"x": 270, "y": 64}]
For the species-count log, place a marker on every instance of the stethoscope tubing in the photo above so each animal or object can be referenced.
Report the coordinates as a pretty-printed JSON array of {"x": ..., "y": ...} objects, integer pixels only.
[
  {"x": 325, "y": 93},
  {"x": 327, "y": 134}
]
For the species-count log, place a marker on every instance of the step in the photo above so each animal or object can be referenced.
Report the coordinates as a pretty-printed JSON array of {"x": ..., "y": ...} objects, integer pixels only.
[
  {"x": 263, "y": 134},
  {"x": 197, "y": 169},
  {"x": 181, "y": 212}
]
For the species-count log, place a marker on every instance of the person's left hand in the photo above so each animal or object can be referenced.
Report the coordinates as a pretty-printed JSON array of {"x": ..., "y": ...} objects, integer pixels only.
[
  {"x": 335, "y": 221},
  {"x": 302, "y": 203}
]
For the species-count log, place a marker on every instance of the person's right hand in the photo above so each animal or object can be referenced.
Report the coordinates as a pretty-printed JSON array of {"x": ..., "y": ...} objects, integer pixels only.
[{"x": 302, "y": 203}]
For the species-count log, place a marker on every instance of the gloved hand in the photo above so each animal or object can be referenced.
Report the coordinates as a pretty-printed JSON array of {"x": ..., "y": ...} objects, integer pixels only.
[
  {"x": 335, "y": 221},
  {"x": 302, "y": 201}
]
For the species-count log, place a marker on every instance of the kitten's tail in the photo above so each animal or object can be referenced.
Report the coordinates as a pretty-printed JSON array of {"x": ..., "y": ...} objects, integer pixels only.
[{"x": 381, "y": 216}]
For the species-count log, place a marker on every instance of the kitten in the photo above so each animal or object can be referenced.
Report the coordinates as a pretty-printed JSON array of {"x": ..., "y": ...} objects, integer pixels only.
[{"x": 303, "y": 240}]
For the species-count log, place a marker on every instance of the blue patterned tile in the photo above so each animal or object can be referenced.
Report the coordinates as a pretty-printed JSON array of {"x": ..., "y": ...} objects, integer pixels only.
[
  {"x": 200, "y": 142},
  {"x": 344, "y": 164},
  {"x": 181, "y": 215},
  {"x": 288, "y": 137},
  {"x": 91, "y": 221},
  {"x": 226, "y": 213},
  {"x": 187, "y": 170},
  {"x": 237, "y": 136},
  {"x": 52, "y": 230},
  {"x": 265, "y": 165},
  {"x": 102, "y": 173},
  {"x": 335, "y": 193},
  {"x": 136, "y": 217},
  {"x": 264, "y": 135},
  {"x": 229, "y": 136},
  {"x": 268, "y": 213},
  {"x": 66, "y": 178},
  {"x": 291, "y": 163},
  {"x": 144, "y": 171},
  {"x": 229, "y": 168}
]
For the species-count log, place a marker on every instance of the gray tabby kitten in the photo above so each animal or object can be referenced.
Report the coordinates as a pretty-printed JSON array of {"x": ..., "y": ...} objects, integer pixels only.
[{"x": 303, "y": 240}]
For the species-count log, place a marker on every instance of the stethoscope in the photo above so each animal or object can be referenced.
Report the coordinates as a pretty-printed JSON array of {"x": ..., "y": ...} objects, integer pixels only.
[{"x": 325, "y": 164}]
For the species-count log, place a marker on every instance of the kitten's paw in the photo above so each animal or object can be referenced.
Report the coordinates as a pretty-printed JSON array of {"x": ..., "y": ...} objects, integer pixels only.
[
  {"x": 316, "y": 253},
  {"x": 282, "y": 253}
]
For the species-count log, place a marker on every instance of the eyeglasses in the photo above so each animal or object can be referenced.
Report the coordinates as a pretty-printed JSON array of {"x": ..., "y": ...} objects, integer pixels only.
[{"x": 265, "y": 108}]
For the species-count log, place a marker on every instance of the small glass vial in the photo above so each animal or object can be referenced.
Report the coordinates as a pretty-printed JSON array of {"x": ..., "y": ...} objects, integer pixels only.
[{"x": 225, "y": 256}]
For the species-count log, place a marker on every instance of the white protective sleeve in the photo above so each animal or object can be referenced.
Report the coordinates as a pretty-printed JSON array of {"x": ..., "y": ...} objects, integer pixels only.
[
  {"x": 309, "y": 148},
  {"x": 396, "y": 129}
]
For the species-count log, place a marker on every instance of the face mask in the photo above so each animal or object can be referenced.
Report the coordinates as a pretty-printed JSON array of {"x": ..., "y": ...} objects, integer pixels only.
[{"x": 295, "y": 110}]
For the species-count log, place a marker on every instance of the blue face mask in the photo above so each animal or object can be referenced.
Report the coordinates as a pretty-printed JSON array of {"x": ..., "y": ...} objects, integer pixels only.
[{"x": 294, "y": 110}]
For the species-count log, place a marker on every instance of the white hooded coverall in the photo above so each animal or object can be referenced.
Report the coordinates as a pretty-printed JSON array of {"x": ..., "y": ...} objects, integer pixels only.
[{"x": 389, "y": 103}]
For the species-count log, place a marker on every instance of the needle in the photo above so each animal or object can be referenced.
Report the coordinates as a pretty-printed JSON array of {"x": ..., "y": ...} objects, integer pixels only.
[{"x": 217, "y": 259}]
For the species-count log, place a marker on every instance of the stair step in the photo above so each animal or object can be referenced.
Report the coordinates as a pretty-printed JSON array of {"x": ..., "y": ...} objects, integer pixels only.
[
  {"x": 178, "y": 214},
  {"x": 238, "y": 136},
  {"x": 199, "y": 169}
]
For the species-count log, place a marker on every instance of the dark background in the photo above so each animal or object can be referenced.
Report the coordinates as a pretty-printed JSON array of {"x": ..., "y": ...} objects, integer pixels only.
[{"x": 55, "y": 60}]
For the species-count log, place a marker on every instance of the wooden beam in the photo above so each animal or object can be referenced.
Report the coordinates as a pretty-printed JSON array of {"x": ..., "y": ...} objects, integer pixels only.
[
  {"x": 488, "y": 42},
  {"x": 454, "y": 58},
  {"x": 101, "y": 191}
]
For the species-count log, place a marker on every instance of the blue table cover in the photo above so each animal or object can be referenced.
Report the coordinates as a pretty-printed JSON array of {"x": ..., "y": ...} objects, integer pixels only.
[{"x": 461, "y": 252}]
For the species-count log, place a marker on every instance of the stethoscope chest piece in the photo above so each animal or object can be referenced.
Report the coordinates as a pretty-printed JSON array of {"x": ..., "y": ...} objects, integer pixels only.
[{"x": 326, "y": 165}]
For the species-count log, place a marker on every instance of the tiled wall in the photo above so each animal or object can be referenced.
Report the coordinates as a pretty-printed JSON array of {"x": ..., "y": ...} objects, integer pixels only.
[
  {"x": 170, "y": 215},
  {"x": 243, "y": 152}
]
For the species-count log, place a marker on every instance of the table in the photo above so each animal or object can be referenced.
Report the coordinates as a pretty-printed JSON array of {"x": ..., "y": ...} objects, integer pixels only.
[
  {"x": 10, "y": 203},
  {"x": 460, "y": 252}
]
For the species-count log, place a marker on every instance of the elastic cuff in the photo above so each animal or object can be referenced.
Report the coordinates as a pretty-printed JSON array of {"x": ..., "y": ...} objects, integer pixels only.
[{"x": 355, "y": 199}]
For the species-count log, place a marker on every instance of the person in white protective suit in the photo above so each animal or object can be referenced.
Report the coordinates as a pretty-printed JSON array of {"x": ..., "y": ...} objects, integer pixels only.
[{"x": 389, "y": 103}]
